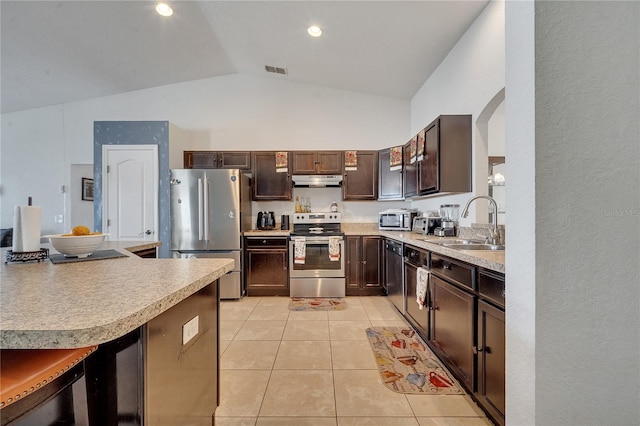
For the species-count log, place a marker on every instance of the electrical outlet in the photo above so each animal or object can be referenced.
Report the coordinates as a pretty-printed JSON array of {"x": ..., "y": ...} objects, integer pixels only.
[
  {"x": 190, "y": 330},
  {"x": 59, "y": 218}
]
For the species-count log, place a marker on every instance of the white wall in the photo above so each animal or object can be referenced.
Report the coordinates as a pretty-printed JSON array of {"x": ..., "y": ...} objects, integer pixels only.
[
  {"x": 464, "y": 83},
  {"x": 321, "y": 198},
  {"x": 233, "y": 112},
  {"x": 587, "y": 151},
  {"x": 573, "y": 275},
  {"x": 34, "y": 163},
  {"x": 520, "y": 257},
  {"x": 496, "y": 132},
  {"x": 80, "y": 211}
]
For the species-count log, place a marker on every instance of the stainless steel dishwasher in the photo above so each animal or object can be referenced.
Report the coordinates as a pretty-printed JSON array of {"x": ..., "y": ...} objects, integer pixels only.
[{"x": 394, "y": 275}]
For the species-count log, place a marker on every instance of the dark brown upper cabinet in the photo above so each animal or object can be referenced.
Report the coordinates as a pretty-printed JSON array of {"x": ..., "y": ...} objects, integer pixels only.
[
  {"x": 410, "y": 177},
  {"x": 362, "y": 183},
  {"x": 446, "y": 166},
  {"x": 316, "y": 162},
  {"x": 217, "y": 160},
  {"x": 269, "y": 184},
  {"x": 390, "y": 185}
]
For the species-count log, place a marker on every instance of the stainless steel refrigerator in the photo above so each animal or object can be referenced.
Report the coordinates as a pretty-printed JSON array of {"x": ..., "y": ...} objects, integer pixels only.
[{"x": 210, "y": 209}]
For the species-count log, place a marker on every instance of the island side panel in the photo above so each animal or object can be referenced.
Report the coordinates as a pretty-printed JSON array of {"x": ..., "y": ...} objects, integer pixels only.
[{"x": 181, "y": 379}]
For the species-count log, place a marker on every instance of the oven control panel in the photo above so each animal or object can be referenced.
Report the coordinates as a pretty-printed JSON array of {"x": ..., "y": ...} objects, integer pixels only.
[{"x": 316, "y": 218}]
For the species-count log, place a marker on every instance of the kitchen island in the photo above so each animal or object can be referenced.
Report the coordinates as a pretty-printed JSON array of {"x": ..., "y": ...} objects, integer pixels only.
[{"x": 126, "y": 305}]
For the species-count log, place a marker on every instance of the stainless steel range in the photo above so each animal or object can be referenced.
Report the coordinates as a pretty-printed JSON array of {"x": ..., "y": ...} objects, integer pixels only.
[{"x": 316, "y": 256}]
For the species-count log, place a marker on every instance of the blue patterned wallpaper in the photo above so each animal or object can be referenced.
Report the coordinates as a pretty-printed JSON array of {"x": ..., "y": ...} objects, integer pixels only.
[{"x": 135, "y": 133}]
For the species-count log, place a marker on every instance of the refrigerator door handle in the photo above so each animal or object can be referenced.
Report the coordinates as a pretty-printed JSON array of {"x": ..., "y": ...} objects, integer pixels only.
[
  {"x": 206, "y": 209},
  {"x": 200, "y": 210}
]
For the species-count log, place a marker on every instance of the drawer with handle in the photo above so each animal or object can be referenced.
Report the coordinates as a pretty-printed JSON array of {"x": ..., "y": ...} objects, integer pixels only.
[
  {"x": 491, "y": 286},
  {"x": 262, "y": 242},
  {"x": 456, "y": 271}
]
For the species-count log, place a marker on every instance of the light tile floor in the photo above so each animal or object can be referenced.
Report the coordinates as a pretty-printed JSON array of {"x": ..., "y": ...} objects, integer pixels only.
[{"x": 281, "y": 367}]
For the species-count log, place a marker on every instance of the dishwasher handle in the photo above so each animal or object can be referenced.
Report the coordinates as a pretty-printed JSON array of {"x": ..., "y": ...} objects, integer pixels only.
[{"x": 395, "y": 248}]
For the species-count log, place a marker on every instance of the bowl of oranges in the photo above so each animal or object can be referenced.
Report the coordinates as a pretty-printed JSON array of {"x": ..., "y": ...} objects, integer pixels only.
[{"x": 81, "y": 242}]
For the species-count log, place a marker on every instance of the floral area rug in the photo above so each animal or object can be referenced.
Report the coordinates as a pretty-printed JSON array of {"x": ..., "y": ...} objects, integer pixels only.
[
  {"x": 317, "y": 304},
  {"x": 406, "y": 365}
]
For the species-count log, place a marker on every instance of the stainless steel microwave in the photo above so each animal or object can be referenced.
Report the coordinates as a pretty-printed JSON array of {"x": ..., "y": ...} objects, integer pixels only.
[{"x": 396, "y": 219}]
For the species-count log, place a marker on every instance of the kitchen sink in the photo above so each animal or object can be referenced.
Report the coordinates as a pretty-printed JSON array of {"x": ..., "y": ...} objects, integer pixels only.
[
  {"x": 447, "y": 242},
  {"x": 472, "y": 246}
]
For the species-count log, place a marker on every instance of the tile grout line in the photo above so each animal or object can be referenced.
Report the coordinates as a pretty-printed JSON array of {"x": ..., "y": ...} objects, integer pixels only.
[{"x": 331, "y": 358}]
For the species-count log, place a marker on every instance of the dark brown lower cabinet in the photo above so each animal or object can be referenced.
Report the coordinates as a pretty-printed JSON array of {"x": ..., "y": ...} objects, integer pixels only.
[
  {"x": 491, "y": 348},
  {"x": 267, "y": 261},
  {"x": 146, "y": 253},
  {"x": 452, "y": 328},
  {"x": 491, "y": 360},
  {"x": 364, "y": 265}
]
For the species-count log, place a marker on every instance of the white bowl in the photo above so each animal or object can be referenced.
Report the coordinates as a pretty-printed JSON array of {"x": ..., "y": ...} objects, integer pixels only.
[{"x": 76, "y": 245}]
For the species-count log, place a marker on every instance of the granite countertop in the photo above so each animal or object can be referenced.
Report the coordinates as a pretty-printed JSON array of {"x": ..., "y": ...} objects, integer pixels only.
[
  {"x": 131, "y": 246},
  {"x": 270, "y": 233},
  {"x": 71, "y": 305},
  {"x": 493, "y": 260},
  {"x": 488, "y": 259}
]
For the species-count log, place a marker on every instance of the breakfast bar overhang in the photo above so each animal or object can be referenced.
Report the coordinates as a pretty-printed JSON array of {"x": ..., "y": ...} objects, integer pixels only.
[{"x": 155, "y": 321}]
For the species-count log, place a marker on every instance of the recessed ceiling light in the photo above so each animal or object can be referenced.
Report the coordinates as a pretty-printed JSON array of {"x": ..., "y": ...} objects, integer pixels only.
[
  {"x": 164, "y": 9},
  {"x": 314, "y": 31}
]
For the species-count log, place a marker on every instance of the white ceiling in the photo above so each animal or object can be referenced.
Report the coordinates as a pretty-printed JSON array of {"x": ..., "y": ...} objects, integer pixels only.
[{"x": 62, "y": 51}]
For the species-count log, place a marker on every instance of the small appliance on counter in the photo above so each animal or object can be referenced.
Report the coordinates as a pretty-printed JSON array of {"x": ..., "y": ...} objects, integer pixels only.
[
  {"x": 426, "y": 225},
  {"x": 449, "y": 215},
  {"x": 284, "y": 222},
  {"x": 396, "y": 219},
  {"x": 266, "y": 221}
]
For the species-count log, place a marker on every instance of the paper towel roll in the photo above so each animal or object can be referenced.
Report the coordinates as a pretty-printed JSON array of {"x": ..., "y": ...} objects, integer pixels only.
[{"x": 26, "y": 229}]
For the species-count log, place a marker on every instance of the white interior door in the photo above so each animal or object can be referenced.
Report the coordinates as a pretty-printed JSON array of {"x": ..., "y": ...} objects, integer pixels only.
[{"x": 130, "y": 192}]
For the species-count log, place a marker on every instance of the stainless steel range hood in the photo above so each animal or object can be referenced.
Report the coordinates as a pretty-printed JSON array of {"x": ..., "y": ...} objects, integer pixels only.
[{"x": 317, "y": 181}]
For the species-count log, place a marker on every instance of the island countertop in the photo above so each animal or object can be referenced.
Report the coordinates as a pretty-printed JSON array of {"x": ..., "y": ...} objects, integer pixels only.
[{"x": 44, "y": 305}]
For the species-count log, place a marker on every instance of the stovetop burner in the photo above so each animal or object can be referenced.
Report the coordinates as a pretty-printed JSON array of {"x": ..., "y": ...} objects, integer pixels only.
[
  {"x": 316, "y": 224},
  {"x": 305, "y": 231}
]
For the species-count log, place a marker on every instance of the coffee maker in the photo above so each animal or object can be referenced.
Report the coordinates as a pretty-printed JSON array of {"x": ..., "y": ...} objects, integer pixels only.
[
  {"x": 449, "y": 216},
  {"x": 266, "y": 220}
]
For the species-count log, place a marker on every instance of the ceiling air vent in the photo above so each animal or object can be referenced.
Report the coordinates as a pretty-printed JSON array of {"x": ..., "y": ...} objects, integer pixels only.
[{"x": 275, "y": 70}]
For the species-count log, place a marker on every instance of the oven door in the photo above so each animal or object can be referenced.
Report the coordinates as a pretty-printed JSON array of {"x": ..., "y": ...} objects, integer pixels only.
[{"x": 317, "y": 262}]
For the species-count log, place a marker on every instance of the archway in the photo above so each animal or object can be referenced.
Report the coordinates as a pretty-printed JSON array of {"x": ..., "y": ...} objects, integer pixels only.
[{"x": 483, "y": 139}]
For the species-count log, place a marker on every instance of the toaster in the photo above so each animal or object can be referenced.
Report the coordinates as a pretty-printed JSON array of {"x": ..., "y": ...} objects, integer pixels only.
[{"x": 426, "y": 225}]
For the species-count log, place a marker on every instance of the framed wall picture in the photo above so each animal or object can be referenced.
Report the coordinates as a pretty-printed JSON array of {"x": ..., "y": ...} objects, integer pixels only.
[{"x": 87, "y": 189}]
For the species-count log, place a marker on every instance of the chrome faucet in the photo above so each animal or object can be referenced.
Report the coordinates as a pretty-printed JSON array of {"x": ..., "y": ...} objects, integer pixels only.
[{"x": 494, "y": 233}]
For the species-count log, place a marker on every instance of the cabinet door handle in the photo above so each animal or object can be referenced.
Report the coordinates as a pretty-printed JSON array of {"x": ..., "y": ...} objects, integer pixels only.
[
  {"x": 446, "y": 266},
  {"x": 477, "y": 349}
]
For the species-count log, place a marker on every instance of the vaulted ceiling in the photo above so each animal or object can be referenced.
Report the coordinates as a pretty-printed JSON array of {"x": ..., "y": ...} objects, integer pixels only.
[{"x": 61, "y": 51}]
